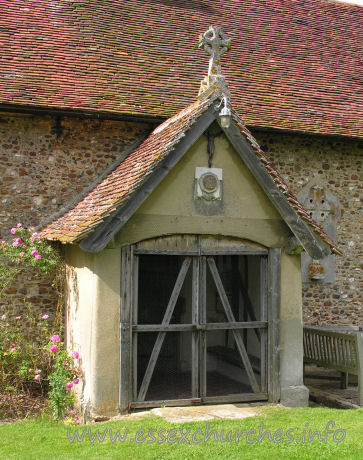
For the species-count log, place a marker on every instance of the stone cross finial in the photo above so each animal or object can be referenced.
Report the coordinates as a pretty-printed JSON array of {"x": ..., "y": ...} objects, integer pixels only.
[{"x": 215, "y": 43}]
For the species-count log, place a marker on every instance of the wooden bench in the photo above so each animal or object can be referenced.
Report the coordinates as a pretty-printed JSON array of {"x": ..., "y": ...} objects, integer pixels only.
[{"x": 336, "y": 350}]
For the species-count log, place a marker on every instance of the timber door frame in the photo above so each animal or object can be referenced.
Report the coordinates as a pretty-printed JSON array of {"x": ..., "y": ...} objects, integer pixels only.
[{"x": 205, "y": 247}]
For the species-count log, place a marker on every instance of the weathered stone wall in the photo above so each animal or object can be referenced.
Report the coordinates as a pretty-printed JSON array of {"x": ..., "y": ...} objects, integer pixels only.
[
  {"x": 45, "y": 162},
  {"x": 338, "y": 164}
]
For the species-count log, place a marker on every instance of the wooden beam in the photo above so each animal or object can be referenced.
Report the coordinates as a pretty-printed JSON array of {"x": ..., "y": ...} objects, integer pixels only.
[
  {"x": 198, "y": 245},
  {"x": 240, "y": 397},
  {"x": 135, "y": 307},
  {"x": 98, "y": 239},
  {"x": 274, "y": 301},
  {"x": 125, "y": 328},
  {"x": 163, "y": 327},
  {"x": 264, "y": 317},
  {"x": 237, "y": 325},
  {"x": 166, "y": 403},
  {"x": 195, "y": 333},
  {"x": 206, "y": 252},
  {"x": 160, "y": 338},
  {"x": 230, "y": 317},
  {"x": 202, "y": 333},
  {"x": 193, "y": 327},
  {"x": 311, "y": 242},
  {"x": 168, "y": 252}
]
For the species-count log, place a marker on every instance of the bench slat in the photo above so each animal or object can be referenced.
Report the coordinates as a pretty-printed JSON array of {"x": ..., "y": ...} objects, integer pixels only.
[{"x": 331, "y": 349}]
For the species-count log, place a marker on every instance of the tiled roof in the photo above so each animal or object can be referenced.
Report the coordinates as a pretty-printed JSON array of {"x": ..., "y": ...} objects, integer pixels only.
[
  {"x": 120, "y": 184},
  {"x": 294, "y": 64}
]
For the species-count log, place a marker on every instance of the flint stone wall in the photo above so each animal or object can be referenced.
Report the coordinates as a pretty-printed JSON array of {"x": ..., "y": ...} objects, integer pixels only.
[
  {"x": 46, "y": 162},
  {"x": 337, "y": 162}
]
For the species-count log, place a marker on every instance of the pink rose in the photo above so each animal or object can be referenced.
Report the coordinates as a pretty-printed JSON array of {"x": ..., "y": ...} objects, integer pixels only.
[
  {"x": 12, "y": 350},
  {"x": 30, "y": 371},
  {"x": 18, "y": 225},
  {"x": 35, "y": 235},
  {"x": 18, "y": 261},
  {"x": 38, "y": 256},
  {"x": 3, "y": 317},
  {"x": 21, "y": 254},
  {"x": 64, "y": 363},
  {"x": 75, "y": 355},
  {"x": 37, "y": 377},
  {"x": 17, "y": 242},
  {"x": 38, "y": 371},
  {"x": 13, "y": 344},
  {"x": 69, "y": 384},
  {"x": 45, "y": 316},
  {"x": 53, "y": 348},
  {"x": 34, "y": 252},
  {"x": 17, "y": 317},
  {"x": 76, "y": 381},
  {"x": 55, "y": 338},
  {"x": 13, "y": 231}
]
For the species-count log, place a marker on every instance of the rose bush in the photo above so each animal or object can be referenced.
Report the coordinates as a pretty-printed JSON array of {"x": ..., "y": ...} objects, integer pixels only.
[
  {"x": 30, "y": 365},
  {"x": 22, "y": 349},
  {"x": 27, "y": 249},
  {"x": 65, "y": 374}
]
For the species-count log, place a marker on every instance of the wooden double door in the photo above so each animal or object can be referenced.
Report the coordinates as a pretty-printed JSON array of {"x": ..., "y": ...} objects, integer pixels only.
[{"x": 199, "y": 323}]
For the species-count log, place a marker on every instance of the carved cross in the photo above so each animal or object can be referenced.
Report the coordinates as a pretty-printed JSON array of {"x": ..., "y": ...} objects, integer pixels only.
[{"x": 215, "y": 43}]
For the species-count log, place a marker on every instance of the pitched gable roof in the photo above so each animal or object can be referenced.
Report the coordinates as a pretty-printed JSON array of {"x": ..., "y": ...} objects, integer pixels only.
[
  {"x": 101, "y": 213},
  {"x": 120, "y": 184},
  {"x": 294, "y": 64}
]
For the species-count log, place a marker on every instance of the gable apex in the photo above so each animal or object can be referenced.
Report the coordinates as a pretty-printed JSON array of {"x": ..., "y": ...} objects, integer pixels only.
[{"x": 96, "y": 218}]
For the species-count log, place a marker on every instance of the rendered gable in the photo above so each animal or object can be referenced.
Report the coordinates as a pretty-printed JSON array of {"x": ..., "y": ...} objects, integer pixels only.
[{"x": 244, "y": 211}]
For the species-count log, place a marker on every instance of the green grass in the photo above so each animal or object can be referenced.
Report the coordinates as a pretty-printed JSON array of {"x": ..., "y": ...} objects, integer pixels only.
[{"x": 44, "y": 439}]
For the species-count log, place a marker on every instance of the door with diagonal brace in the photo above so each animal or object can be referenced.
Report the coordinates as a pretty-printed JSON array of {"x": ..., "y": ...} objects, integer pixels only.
[{"x": 199, "y": 329}]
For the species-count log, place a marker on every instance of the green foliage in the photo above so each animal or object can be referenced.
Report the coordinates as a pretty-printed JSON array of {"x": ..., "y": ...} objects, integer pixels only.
[
  {"x": 63, "y": 377},
  {"x": 22, "y": 349},
  {"x": 27, "y": 249},
  {"x": 30, "y": 365}
]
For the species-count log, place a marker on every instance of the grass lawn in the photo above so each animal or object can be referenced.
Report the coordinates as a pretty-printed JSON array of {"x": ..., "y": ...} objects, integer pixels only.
[{"x": 44, "y": 439}]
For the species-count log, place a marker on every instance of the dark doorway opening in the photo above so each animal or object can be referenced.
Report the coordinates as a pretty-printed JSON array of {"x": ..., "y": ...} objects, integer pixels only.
[{"x": 199, "y": 328}]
